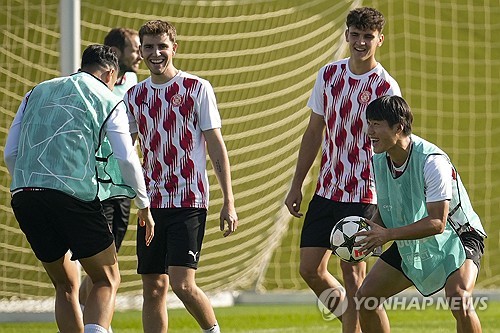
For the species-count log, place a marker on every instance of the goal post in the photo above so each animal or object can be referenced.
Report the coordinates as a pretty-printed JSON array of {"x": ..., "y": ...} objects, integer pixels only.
[{"x": 70, "y": 47}]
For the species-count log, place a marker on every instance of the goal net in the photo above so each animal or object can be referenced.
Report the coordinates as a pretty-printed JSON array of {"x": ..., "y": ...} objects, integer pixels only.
[{"x": 262, "y": 58}]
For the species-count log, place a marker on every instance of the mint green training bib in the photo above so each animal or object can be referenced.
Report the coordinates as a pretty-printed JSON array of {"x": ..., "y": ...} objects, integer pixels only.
[
  {"x": 61, "y": 133},
  {"x": 427, "y": 262}
]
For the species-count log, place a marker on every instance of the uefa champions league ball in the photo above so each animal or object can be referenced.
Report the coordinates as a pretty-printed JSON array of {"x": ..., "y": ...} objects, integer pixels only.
[{"x": 342, "y": 239}]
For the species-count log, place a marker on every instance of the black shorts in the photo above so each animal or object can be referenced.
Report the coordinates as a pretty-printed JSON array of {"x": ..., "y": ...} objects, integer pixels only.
[
  {"x": 177, "y": 240},
  {"x": 323, "y": 214},
  {"x": 117, "y": 212},
  {"x": 472, "y": 241},
  {"x": 54, "y": 223}
]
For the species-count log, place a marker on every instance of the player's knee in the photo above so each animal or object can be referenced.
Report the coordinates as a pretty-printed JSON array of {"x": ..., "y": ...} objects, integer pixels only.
[
  {"x": 362, "y": 292},
  {"x": 154, "y": 288},
  {"x": 353, "y": 275},
  {"x": 309, "y": 273},
  {"x": 184, "y": 289},
  {"x": 459, "y": 301}
]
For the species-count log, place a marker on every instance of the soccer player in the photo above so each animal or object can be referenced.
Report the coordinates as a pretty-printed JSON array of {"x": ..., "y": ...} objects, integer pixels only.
[
  {"x": 125, "y": 43},
  {"x": 345, "y": 186},
  {"x": 50, "y": 154},
  {"x": 177, "y": 117},
  {"x": 424, "y": 208}
]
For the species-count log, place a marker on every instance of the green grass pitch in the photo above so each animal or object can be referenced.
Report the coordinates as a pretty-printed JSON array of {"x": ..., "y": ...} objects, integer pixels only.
[{"x": 281, "y": 319}]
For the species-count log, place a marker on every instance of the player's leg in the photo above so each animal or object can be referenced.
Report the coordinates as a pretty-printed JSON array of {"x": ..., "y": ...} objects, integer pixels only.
[
  {"x": 384, "y": 280},
  {"x": 314, "y": 247},
  {"x": 91, "y": 242},
  {"x": 155, "y": 281},
  {"x": 102, "y": 269},
  {"x": 108, "y": 207},
  {"x": 458, "y": 289},
  {"x": 182, "y": 280},
  {"x": 83, "y": 292},
  {"x": 185, "y": 238},
  {"x": 460, "y": 284},
  {"x": 154, "y": 307},
  {"x": 36, "y": 213},
  {"x": 353, "y": 275},
  {"x": 314, "y": 269},
  {"x": 64, "y": 276}
]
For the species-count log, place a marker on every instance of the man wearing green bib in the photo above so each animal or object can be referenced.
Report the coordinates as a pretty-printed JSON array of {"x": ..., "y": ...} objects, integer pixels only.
[{"x": 424, "y": 208}]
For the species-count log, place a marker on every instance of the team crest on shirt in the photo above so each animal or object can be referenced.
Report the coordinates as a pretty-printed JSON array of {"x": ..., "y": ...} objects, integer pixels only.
[
  {"x": 364, "y": 97},
  {"x": 176, "y": 100}
]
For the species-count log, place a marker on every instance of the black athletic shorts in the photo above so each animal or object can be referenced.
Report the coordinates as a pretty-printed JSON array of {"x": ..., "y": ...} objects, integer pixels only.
[
  {"x": 472, "y": 241},
  {"x": 54, "y": 223},
  {"x": 323, "y": 214},
  {"x": 177, "y": 240},
  {"x": 117, "y": 212}
]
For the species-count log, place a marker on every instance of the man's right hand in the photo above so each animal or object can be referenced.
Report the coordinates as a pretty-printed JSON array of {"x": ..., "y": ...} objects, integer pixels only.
[
  {"x": 146, "y": 219},
  {"x": 293, "y": 201}
]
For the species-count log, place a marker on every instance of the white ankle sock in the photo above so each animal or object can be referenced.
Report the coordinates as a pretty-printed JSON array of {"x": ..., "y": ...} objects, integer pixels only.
[
  {"x": 213, "y": 329},
  {"x": 94, "y": 328}
]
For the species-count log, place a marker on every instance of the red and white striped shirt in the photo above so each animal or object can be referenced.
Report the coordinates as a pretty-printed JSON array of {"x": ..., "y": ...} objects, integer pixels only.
[
  {"x": 170, "y": 119},
  {"x": 341, "y": 97}
]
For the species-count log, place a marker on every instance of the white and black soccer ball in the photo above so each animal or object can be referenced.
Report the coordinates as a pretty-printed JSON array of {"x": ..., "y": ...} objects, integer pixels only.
[{"x": 342, "y": 238}]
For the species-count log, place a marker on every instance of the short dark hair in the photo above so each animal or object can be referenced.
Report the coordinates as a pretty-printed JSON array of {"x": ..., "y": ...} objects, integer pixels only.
[
  {"x": 117, "y": 37},
  {"x": 99, "y": 55},
  {"x": 392, "y": 109},
  {"x": 158, "y": 27},
  {"x": 366, "y": 18}
]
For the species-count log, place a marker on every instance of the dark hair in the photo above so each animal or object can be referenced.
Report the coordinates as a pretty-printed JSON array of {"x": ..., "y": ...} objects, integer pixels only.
[
  {"x": 117, "y": 37},
  {"x": 158, "y": 27},
  {"x": 99, "y": 55},
  {"x": 392, "y": 109},
  {"x": 366, "y": 18}
]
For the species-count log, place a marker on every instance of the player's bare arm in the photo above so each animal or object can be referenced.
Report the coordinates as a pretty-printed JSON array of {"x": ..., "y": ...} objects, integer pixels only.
[
  {"x": 309, "y": 147},
  {"x": 220, "y": 163},
  {"x": 434, "y": 223}
]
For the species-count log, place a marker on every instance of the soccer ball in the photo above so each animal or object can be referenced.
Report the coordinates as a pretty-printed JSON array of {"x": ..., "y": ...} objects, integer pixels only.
[{"x": 342, "y": 239}]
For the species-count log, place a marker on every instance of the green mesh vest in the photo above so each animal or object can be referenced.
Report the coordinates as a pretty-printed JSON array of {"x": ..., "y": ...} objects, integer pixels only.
[
  {"x": 427, "y": 262},
  {"x": 62, "y": 145}
]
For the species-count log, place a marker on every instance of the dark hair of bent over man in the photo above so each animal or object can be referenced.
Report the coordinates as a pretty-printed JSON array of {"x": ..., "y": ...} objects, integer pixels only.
[
  {"x": 392, "y": 109},
  {"x": 99, "y": 55}
]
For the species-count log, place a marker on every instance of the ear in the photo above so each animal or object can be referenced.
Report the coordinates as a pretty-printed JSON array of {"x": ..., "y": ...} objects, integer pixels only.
[
  {"x": 117, "y": 51},
  {"x": 107, "y": 77},
  {"x": 380, "y": 39},
  {"x": 346, "y": 34},
  {"x": 399, "y": 128},
  {"x": 174, "y": 48}
]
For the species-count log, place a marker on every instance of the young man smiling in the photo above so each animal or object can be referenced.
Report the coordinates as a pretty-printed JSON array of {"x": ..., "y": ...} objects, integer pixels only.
[
  {"x": 424, "y": 208},
  {"x": 177, "y": 116},
  {"x": 345, "y": 186}
]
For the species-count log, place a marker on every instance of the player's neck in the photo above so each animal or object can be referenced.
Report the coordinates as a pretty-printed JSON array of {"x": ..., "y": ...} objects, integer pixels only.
[
  {"x": 360, "y": 67},
  {"x": 400, "y": 152},
  {"x": 164, "y": 77}
]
